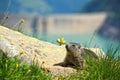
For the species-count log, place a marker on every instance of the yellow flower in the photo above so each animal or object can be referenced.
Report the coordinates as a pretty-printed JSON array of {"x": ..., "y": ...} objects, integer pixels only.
[
  {"x": 21, "y": 51},
  {"x": 17, "y": 65},
  {"x": 61, "y": 41},
  {"x": 22, "y": 20},
  {"x": 58, "y": 78},
  {"x": 58, "y": 40}
]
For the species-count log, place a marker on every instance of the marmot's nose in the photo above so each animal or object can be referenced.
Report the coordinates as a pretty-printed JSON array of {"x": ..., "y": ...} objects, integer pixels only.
[{"x": 66, "y": 46}]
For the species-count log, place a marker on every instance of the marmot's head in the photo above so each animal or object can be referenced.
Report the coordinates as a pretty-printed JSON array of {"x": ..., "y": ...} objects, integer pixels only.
[{"x": 73, "y": 47}]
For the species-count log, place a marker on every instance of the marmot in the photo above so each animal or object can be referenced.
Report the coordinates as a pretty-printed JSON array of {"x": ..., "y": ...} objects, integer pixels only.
[{"x": 76, "y": 55}]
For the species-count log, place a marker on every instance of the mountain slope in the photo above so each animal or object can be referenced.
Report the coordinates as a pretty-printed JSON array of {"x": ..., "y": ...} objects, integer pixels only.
[{"x": 111, "y": 26}]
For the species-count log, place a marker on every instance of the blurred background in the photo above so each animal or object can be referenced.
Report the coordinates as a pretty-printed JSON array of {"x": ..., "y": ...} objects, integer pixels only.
[{"x": 92, "y": 23}]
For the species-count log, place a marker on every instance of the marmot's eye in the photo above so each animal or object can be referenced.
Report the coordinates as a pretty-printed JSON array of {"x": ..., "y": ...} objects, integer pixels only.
[
  {"x": 79, "y": 47},
  {"x": 73, "y": 45}
]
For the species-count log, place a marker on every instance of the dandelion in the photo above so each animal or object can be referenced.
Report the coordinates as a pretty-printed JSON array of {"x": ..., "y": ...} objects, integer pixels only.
[
  {"x": 17, "y": 65},
  {"x": 22, "y": 20},
  {"x": 21, "y": 51},
  {"x": 18, "y": 24},
  {"x": 61, "y": 41}
]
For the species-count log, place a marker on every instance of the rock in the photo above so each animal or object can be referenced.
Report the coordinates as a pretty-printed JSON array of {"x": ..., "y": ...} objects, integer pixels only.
[
  {"x": 98, "y": 51},
  {"x": 34, "y": 51}
]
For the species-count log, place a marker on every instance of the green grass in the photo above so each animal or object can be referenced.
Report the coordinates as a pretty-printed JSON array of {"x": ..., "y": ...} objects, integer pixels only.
[
  {"x": 9, "y": 70},
  {"x": 107, "y": 68}
]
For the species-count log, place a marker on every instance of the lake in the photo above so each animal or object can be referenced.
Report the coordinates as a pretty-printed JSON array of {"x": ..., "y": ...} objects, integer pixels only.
[{"x": 86, "y": 40}]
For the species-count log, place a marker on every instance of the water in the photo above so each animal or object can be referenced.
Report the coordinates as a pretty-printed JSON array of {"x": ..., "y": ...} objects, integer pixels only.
[{"x": 86, "y": 40}]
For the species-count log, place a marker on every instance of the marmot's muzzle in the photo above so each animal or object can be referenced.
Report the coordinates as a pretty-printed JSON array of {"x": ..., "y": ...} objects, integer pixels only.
[{"x": 66, "y": 46}]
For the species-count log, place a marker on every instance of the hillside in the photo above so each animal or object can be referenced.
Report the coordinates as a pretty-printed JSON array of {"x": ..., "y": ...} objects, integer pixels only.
[
  {"x": 38, "y": 52},
  {"x": 110, "y": 6},
  {"x": 110, "y": 27}
]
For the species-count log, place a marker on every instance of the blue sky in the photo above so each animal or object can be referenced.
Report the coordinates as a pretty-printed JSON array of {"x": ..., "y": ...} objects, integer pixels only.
[{"x": 43, "y": 6}]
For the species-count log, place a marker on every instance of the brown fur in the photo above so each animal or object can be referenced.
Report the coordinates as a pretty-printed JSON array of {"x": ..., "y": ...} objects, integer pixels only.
[{"x": 75, "y": 55}]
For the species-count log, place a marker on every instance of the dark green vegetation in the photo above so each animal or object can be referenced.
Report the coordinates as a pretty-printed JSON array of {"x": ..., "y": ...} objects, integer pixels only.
[
  {"x": 103, "y": 5},
  {"x": 112, "y": 22},
  {"x": 110, "y": 6},
  {"x": 107, "y": 68}
]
